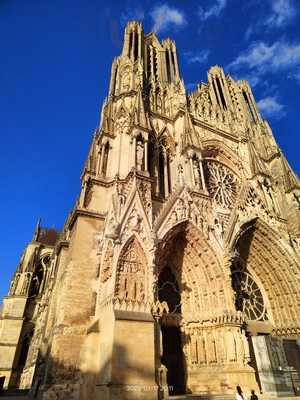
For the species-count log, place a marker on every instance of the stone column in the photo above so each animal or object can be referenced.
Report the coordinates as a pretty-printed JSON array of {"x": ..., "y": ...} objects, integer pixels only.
[
  {"x": 133, "y": 160},
  {"x": 202, "y": 175},
  {"x": 146, "y": 155},
  {"x": 166, "y": 183}
]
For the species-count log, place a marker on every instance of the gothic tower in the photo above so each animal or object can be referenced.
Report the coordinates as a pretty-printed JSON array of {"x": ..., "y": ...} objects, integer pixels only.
[{"x": 178, "y": 269}]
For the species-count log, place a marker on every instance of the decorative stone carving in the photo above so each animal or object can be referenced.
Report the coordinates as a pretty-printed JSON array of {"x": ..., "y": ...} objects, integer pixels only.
[
  {"x": 140, "y": 156},
  {"x": 131, "y": 273},
  {"x": 222, "y": 184},
  {"x": 107, "y": 263}
]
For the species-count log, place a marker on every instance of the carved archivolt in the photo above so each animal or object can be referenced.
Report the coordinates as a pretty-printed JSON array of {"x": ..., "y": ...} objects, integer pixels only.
[
  {"x": 270, "y": 263},
  {"x": 131, "y": 282},
  {"x": 199, "y": 275}
]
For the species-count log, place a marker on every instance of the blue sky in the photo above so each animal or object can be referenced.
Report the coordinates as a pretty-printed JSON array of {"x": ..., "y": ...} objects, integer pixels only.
[{"x": 54, "y": 71}]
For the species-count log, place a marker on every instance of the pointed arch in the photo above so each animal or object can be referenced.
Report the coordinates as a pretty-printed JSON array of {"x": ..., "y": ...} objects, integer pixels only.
[
  {"x": 215, "y": 149},
  {"x": 198, "y": 270},
  {"x": 270, "y": 260}
]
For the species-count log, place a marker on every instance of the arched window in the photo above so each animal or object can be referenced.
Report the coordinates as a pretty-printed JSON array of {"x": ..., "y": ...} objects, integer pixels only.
[
  {"x": 151, "y": 156},
  {"x": 249, "y": 106},
  {"x": 161, "y": 170},
  {"x": 37, "y": 281},
  {"x": 168, "y": 66},
  {"x": 136, "y": 46},
  {"x": 130, "y": 43},
  {"x": 105, "y": 159},
  {"x": 221, "y": 94}
]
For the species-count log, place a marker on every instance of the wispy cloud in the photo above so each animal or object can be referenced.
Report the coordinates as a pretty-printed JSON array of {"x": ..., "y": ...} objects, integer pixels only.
[
  {"x": 199, "y": 57},
  {"x": 279, "y": 14},
  {"x": 130, "y": 14},
  {"x": 262, "y": 57},
  {"x": 283, "y": 12},
  {"x": 270, "y": 107},
  {"x": 296, "y": 75},
  {"x": 213, "y": 11},
  {"x": 165, "y": 17}
]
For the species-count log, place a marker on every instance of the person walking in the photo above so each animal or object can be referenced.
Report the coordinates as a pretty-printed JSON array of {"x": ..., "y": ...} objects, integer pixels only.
[
  {"x": 239, "y": 394},
  {"x": 253, "y": 395}
]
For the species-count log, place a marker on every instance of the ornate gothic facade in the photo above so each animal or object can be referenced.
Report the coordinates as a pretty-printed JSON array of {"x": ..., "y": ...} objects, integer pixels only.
[{"x": 179, "y": 265}]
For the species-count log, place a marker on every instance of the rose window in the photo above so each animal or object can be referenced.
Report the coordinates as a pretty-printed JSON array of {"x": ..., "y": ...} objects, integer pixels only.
[
  {"x": 248, "y": 296},
  {"x": 222, "y": 184}
]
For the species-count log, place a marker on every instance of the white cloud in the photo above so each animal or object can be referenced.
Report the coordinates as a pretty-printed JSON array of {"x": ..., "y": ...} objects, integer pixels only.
[
  {"x": 263, "y": 58},
  {"x": 199, "y": 57},
  {"x": 283, "y": 11},
  {"x": 213, "y": 11},
  {"x": 296, "y": 75},
  {"x": 270, "y": 107},
  {"x": 164, "y": 16},
  {"x": 130, "y": 14}
]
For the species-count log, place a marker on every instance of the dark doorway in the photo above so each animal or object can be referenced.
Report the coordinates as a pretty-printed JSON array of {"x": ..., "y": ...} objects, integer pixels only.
[{"x": 173, "y": 359}]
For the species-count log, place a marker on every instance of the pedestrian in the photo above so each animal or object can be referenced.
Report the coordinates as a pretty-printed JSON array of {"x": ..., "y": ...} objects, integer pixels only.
[
  {"x": 253, "y": 395},
  {"x": 239, "y": 394}
]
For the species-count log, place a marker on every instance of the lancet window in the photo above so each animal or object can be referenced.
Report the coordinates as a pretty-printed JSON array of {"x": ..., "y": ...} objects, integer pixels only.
[
  {"x": 104, "y": 159},
  {"x": 249, "y": 106},
  {"x": 164, "y": 178}
]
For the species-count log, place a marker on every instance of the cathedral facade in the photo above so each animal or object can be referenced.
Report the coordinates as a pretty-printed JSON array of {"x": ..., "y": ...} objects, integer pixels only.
[{"x": 178, "y": 269}]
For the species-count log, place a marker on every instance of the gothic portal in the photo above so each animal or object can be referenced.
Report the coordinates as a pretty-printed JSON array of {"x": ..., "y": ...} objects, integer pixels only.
[{"x": 178, "y": 270}]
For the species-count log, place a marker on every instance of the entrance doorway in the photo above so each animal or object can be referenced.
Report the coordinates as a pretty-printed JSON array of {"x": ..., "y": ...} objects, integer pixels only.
[{"x": 173, "y": 359}]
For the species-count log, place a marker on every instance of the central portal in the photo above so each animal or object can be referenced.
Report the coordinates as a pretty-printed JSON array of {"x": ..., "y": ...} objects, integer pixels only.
[{"x": 173, "y": 359}]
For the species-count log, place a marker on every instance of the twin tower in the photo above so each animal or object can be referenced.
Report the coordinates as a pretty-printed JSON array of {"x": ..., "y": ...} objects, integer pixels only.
[{"x": 178, "y": 269}]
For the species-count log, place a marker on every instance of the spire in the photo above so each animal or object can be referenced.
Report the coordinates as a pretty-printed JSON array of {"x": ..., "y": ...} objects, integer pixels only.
[
  {"x": 37, "y": 229},
  {"x": 139, "y": 118},
  {"x": 290, "y": 179},
  {"x": 190, "y": 138},
  {"x": 257, "y": 165}
]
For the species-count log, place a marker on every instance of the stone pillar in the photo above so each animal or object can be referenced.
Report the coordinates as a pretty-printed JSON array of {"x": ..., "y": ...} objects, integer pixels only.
[
  {"x": 166, "y": 183},
  {"x": 133, "y": 155},
  {"x": 202, "y": 175}
]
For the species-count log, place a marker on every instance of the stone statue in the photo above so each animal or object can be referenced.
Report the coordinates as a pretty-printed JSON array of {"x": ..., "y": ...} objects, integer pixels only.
[{"x": 140, "y": 155}]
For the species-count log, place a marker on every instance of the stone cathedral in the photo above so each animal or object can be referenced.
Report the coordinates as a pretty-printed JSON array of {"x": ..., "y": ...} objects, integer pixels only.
[{"x": 178, "y": 269}]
